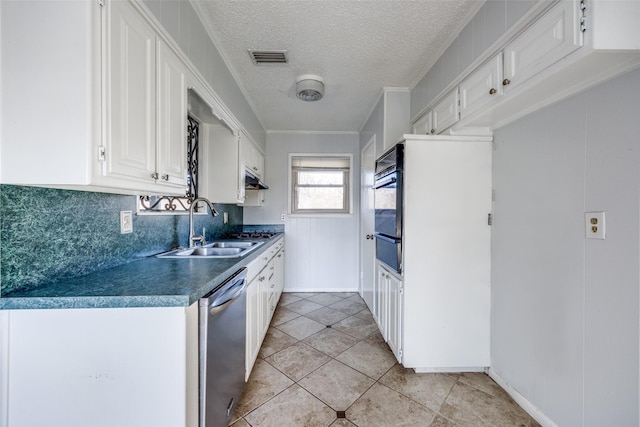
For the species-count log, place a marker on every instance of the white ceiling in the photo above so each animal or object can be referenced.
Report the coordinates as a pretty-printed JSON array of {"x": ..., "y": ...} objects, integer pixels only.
[{"x": 357, "y": 47}]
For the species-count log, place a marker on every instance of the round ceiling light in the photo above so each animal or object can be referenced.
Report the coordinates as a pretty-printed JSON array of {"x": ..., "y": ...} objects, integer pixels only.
[{"x": 309, "y": 87}]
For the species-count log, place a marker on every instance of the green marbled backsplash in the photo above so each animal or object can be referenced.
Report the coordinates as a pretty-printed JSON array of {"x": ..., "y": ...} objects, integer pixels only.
[{"x": 48, "y": 234}]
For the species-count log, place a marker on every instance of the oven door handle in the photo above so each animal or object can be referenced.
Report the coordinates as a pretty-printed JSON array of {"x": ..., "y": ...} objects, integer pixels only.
[
  {"x": 389, "y": 239},
  {"x": 385, "y": 182}
]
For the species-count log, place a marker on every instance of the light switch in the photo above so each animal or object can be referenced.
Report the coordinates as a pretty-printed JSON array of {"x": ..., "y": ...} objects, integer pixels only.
[{"x": 594, "y": 225}]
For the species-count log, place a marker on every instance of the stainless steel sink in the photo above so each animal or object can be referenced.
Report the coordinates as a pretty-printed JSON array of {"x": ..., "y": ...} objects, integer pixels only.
[{"x": 220, "y": 249}]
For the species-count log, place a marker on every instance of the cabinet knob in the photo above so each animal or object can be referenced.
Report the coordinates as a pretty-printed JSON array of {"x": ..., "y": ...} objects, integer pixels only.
[
  {"x": 506, "y": 82},
  {"x": 433, "y": 131},
  {"x": 492, "y": 91},
  {"x": 165, "y": 177},
  {"x": 154, "y": 175}
]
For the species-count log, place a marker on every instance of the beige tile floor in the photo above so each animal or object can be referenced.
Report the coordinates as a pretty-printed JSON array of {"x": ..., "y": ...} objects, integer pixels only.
[{"x": 324, "y": 363}]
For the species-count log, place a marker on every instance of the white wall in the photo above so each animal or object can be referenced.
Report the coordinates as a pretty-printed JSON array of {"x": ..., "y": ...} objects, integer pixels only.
[
  {"x": 565, "y": 310},
  {"x": 321, "y": 252}
]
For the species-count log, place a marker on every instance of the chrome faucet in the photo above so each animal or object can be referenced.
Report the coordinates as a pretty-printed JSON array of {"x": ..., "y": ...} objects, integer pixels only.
[{"x": 193, "y": 237}]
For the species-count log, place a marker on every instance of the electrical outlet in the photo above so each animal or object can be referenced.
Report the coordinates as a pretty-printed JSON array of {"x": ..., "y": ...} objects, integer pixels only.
[
  {"x": 594, "y": 225},
  {"x": 126, "y": 222},
  {"x": 282, "y": 217},
  {"x": 225, "y": 217}
]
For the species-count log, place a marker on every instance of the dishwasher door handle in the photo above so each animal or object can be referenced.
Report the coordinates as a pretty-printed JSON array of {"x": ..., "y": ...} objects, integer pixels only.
[{"x": 230, "y": 295}]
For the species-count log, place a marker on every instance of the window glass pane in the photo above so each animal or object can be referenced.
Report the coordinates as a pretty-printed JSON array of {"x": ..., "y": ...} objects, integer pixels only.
[
  {"x": 320, "y": 198},
  {"x": 320, "y": 177}
]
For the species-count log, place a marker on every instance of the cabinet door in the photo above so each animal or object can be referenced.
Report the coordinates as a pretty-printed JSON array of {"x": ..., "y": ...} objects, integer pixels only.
[
  {"x": 253, "y": 326},
  {"x": 279, "y": 275},
  {"x": 131, "y": 97},
  {"x": 263, "y": 278},
  {"x": 220, "y": 173},
  {"x": 555, "y": 35},
  {"x": 394, "y": 331},
  {"x": 252, "y": 159},
  {"x": 172, "y": 117},
  {"x": 424, "y": 126},
  {"x": 481, "y": 87},
  {"x": 446, "y": 112},
  {"x": 381, "y": 301}
]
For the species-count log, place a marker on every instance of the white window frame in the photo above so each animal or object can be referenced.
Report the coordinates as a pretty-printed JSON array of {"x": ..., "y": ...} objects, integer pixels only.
[{"x": 320, "y": 213}]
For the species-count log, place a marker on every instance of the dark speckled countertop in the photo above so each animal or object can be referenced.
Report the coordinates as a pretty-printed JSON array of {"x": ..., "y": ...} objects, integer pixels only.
[{"x": 149, "y": 282}]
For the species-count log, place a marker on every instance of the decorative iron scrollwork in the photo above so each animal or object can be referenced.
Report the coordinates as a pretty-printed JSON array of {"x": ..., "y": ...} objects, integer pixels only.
[{"x": 174, "y": 203}]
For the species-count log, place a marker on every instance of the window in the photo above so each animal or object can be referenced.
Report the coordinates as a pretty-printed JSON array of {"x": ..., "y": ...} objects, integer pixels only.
[{"x": 320, "y": 184}]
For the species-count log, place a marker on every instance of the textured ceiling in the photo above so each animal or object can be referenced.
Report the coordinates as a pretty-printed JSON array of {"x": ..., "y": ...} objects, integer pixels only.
[{"x": 357, "y": 47}]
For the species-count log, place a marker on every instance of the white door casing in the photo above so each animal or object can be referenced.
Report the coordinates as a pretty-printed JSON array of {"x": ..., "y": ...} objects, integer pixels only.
[{"x": 367, "y": 212}]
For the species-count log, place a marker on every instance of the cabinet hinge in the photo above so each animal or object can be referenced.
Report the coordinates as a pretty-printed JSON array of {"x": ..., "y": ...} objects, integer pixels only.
[
  {"x": 583, "y": 16},
  {"x": 401, "y": 291},
  {"x": 489, "y": 219},
  {"x": 101, "y": 154},
  {"x": 400, "y": 354}
]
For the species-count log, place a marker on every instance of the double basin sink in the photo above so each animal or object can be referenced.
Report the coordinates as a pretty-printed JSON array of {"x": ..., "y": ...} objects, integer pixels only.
[{"x": 221, "y": 249}]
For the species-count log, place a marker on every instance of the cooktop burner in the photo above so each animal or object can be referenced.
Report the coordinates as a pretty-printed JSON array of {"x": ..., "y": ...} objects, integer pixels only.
[{"x": 252, "y": 235}]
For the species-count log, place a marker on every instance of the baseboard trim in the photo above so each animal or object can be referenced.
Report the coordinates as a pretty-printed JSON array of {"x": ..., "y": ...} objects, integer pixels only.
[{"x": 531, "y": 409}]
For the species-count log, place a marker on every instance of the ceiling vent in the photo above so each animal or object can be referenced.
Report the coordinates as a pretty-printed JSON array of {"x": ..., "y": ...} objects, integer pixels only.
[{"x": 268, "y": 56}]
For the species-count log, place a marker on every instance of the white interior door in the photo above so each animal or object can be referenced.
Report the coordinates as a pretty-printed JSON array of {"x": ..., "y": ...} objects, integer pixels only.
[{"x": 367, "y": 246}]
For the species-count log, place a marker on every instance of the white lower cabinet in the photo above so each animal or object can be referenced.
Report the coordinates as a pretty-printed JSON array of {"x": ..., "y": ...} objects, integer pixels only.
[
  {"x": 389, "y": 308},
  {"x": 394, "y": 327},
  {"x": 265, "y": 286},
  {"x": 99, "y": 367}
]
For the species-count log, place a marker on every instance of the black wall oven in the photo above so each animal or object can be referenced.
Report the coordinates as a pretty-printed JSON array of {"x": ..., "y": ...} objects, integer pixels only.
[{"x": 388, "y": 207}]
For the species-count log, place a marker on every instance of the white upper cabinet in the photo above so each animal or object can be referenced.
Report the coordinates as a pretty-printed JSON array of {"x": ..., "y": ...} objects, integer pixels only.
[
  {"x": 559, "y": 49},
  {"x": 220, "y": 174},
  {"x": 552, "y": 37},
  {"x": 481, "y": 87},
  {"x": 146, "y": 103},
  {"x": 131, "y": 100},
  {"x": 172, "y": 98},
  {"x": 113, "y": 120},
  {"x": 251, "y": 157},
  {"x": 446, "y": 112}
]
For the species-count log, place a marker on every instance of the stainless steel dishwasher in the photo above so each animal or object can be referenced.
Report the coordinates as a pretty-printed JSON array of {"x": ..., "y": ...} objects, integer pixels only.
[{"x": 222, "y": 350}]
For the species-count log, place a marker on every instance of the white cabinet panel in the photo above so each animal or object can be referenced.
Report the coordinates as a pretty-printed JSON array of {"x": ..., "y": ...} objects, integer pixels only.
[
  {"x": 388, "y": 308},
  {"x": 252, "y": 159},
  {"x": 394, "y": 329},
  {"x": 100, "y": 367},
  {"x": 172, "y": 112},
  {"x": 555, "y": 35},
  {"x": 220, "y": 171},
  {"x": 446, "y": 112},
  {"x": 253, "y": 326},
  {"x": 446, "y": 245},
  {"x": 380, "y": 302},
  {"x": 481, "y": 87},
  {"x": 131, "y": 108}
]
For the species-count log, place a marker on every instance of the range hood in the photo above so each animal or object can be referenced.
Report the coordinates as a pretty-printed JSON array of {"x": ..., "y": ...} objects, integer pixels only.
[{"x": 251, "y": 182}]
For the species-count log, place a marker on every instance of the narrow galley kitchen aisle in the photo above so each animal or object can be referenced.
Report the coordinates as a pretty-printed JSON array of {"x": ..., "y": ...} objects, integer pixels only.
[{"x": 324, "y": 363}]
